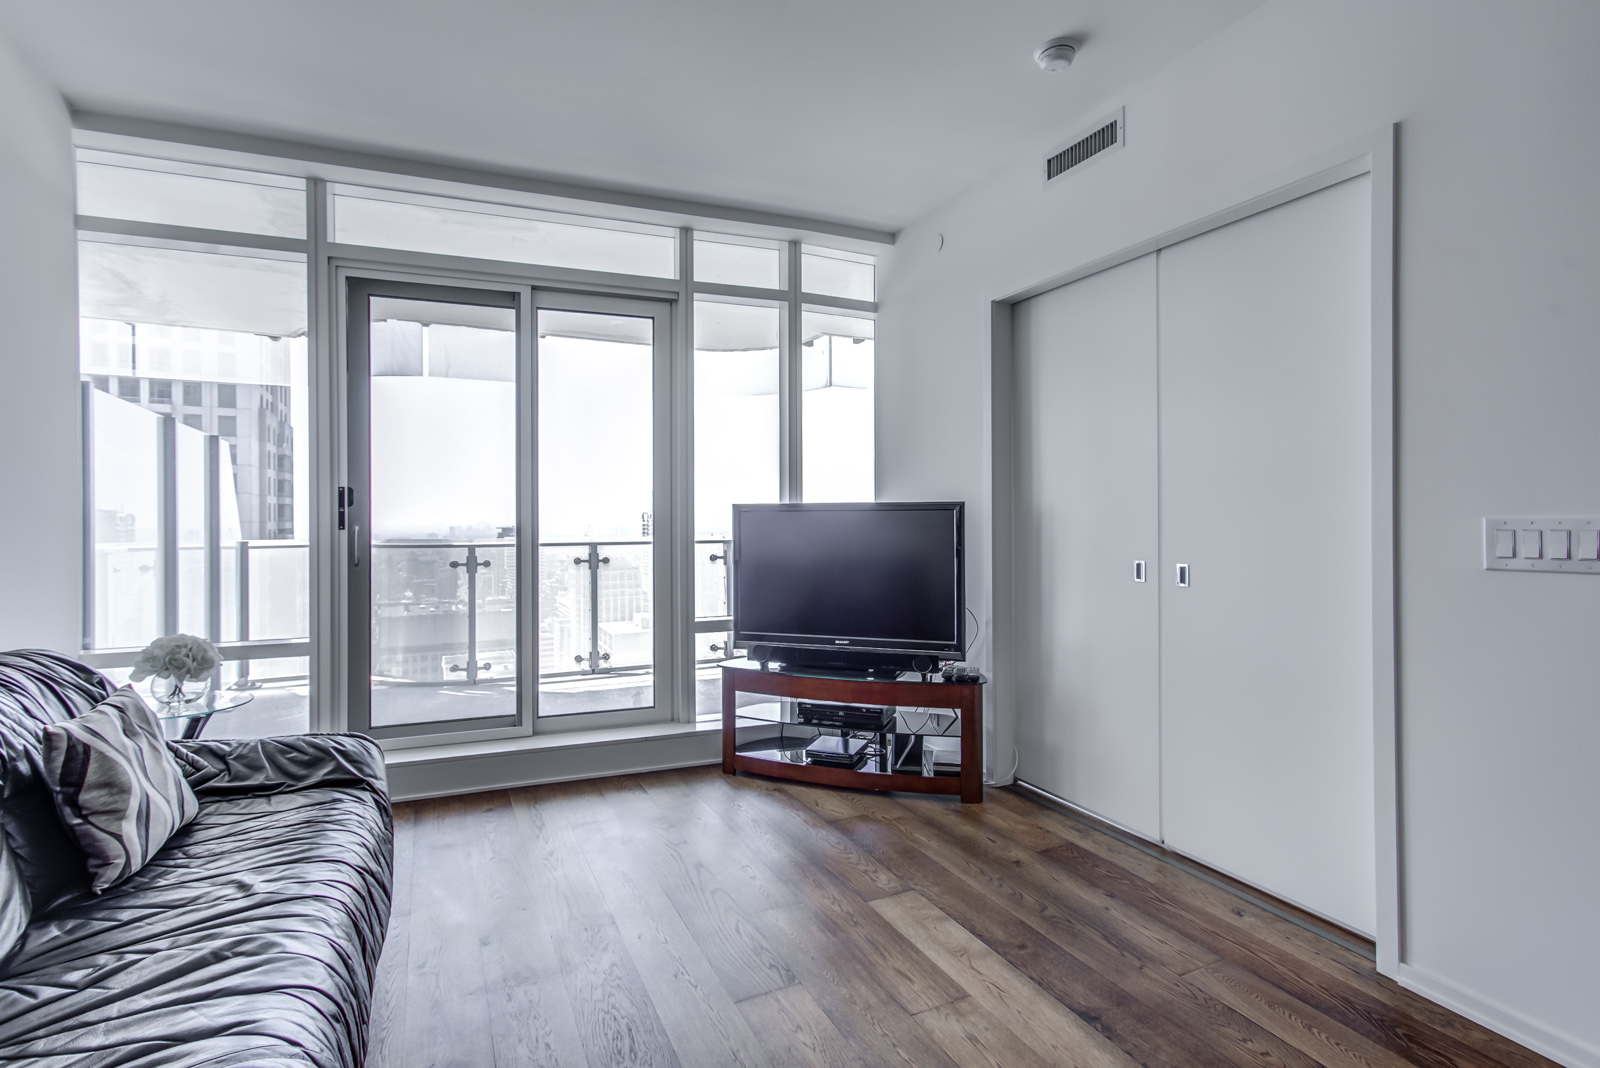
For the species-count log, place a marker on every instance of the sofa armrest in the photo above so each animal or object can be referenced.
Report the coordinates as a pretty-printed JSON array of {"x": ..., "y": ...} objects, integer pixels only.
[{"x": 255, "y": 766}]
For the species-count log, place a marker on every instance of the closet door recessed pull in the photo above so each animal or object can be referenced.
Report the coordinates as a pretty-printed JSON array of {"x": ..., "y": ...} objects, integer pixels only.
[
  {"x": 1138, "y": 571},
  {"x": 1183, "y": 575}
]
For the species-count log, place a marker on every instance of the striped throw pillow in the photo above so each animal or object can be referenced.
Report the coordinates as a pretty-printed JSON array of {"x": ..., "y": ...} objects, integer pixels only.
[{"x": 117, "y": 787}]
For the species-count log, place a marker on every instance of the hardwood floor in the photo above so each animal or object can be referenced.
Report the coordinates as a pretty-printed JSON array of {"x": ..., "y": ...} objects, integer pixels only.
[{"x": 689, "y": 918}]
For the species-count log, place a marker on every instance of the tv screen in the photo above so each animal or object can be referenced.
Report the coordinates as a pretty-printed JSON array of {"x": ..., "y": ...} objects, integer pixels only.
[{"x": 885, "y": 577}]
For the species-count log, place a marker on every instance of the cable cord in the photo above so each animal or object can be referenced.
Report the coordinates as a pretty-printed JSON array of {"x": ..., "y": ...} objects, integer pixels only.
[{"x": 1015, "y": 764}]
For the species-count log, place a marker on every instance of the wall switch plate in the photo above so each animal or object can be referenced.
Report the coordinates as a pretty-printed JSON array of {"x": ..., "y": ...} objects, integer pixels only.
[
  {"x": 1505, "y": 544},
  {"x": 1542, "y": 543}
]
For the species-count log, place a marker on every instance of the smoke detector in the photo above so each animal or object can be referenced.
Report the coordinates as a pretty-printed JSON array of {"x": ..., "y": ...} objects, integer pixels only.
[{"x": 1056, "y": 54}]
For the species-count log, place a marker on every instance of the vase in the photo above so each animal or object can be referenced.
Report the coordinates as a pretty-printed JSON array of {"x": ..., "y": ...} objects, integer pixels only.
[{"x": 175, "y": 696}]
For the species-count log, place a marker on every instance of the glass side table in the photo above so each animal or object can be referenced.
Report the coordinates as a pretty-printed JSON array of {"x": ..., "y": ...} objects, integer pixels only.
[{"x": 189, "y": 722}]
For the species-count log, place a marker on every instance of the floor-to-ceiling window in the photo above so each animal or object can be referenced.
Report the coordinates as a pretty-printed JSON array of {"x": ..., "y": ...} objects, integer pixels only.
[
  {"x": 193, "y": 363},
  {"x": 215, "y": 362}
]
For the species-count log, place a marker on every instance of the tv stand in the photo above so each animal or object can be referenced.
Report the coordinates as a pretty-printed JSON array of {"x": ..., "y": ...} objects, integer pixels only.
[{"x": 963, "y": 700}]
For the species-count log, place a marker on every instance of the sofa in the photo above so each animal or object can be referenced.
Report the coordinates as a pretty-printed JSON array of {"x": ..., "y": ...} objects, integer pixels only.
[{"x": 250, "y": 939}]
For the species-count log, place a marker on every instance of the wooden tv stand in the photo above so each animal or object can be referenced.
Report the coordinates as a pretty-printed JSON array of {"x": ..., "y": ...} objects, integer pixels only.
[{"x": 909, "y": 691}]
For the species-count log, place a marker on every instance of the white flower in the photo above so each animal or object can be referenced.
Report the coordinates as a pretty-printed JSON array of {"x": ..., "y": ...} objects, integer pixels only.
[{"x": 179, "y": 657}]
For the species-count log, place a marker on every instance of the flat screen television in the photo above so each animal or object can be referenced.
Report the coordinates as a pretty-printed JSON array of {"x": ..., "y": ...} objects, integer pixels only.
[{"x": 852, "y": 586}]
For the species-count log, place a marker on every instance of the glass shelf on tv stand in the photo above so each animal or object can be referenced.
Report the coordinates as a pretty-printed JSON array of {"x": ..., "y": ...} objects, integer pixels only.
[{"x": 784, "y": 712}]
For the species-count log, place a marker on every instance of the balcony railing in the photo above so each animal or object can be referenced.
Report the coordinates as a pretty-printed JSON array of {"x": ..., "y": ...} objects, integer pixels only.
[{"x": 444, "y": 612}]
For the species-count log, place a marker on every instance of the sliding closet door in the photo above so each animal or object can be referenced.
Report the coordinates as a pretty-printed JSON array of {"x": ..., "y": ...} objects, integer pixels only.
[
  {"x": 1266, "y": 676},
  {"x": 1085, "y": 425}
]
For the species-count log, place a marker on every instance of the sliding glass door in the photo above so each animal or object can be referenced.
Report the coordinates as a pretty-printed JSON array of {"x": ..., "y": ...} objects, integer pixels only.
[
  {"x": 506, "y": 465},
  {"x": 604, "y": 494}
]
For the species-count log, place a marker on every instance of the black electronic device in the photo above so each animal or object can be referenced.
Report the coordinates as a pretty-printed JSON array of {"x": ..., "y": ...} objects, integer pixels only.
[
  {"x": 837, "y": 751},
  {"x": 850, "y": 587},
  {"x": 960, "y": 673},
  {"x": 844, "y": 717}
]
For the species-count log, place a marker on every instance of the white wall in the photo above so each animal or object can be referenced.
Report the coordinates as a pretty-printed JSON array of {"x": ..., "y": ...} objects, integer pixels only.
[
  {"x": 1498, "y": 357},
  {"x": 41, "y": 471}
]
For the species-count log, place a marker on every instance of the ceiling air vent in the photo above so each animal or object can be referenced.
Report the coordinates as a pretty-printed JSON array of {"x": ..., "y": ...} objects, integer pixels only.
[{"x": 1104, "y": 136}]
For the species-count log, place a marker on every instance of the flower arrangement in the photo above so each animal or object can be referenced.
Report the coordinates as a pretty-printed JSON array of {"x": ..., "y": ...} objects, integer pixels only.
[{"x": 177, "y": 657}]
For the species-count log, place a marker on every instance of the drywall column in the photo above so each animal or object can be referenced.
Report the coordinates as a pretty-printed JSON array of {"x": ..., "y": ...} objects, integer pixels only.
[{"x": 40, "y": 446}]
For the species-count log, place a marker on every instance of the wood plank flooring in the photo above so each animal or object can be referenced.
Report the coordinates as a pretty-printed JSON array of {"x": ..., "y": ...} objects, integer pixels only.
[{"x": 689, "y": 918}]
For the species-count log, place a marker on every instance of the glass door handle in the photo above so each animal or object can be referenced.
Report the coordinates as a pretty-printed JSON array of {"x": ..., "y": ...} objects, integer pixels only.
[{"x": 355, "y": 545}]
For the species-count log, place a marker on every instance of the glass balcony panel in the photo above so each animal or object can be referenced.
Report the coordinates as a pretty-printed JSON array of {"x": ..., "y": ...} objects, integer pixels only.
[
  {"x": 280, "y": 590},
  {"x": 837, "y": 420},
  {"x": 125, "y": 473},
  {"x": 624, "y": 602},
  {"x": 497, "y": 614},
  {"x": 710, "y": 649},
  {"x": 420, "y": 629},
  {"x": 452, "y": 227},
  {"x": 710, "y": 578},
  {"x": 736, "y": 435},
  {"x": 228, "y": 559},
  {"x": 113, "y": 185},
  {"x": 193, "y": 589},
  {"x": 280, "y": 703},
  {"x": 564, "y": 615},
  {"x": 832, "y": 273},
  {"x": 733, "y": 263},
  {"x": 231, "y": 550}
]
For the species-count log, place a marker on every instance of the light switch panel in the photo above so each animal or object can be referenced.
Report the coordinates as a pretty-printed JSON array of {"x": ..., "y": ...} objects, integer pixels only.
[{"x": 1569, "y": 544}]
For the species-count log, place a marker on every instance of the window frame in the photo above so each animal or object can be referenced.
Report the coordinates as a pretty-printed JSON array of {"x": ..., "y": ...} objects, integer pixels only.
[{"x": 325, "y": 260}]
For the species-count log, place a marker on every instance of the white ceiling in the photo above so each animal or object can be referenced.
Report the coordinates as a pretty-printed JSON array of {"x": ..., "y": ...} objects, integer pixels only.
[{"x": 864, "y": 111}]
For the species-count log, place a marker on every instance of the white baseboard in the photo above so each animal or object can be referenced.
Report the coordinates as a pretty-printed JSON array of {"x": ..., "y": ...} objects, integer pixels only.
[
  {"x": 1563, "y": 1049},
  {"x": 528, "y": 767}
]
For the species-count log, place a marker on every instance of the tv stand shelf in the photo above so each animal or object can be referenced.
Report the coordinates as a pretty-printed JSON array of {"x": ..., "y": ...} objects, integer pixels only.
[{"x": 766, "y": 757}]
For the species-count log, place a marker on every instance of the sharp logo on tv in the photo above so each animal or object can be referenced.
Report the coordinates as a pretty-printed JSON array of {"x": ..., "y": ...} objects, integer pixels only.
[{"x": 840, "y": 641}]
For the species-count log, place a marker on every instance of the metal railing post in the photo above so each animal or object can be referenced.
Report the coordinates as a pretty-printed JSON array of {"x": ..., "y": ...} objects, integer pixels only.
[
  {"x": 472, "y": 614},
  {"x": 593, "y": 560},
  {"x": 727, "y": 577},
  {"x": 167, "y": 530},
  {"x": 243, "y": 682},
  {"x": 472, "y": 564},
  {"x": 594, "y": 607},
  {"x": 213, "y": 537},
  {"x": 89, "y": 576}
]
